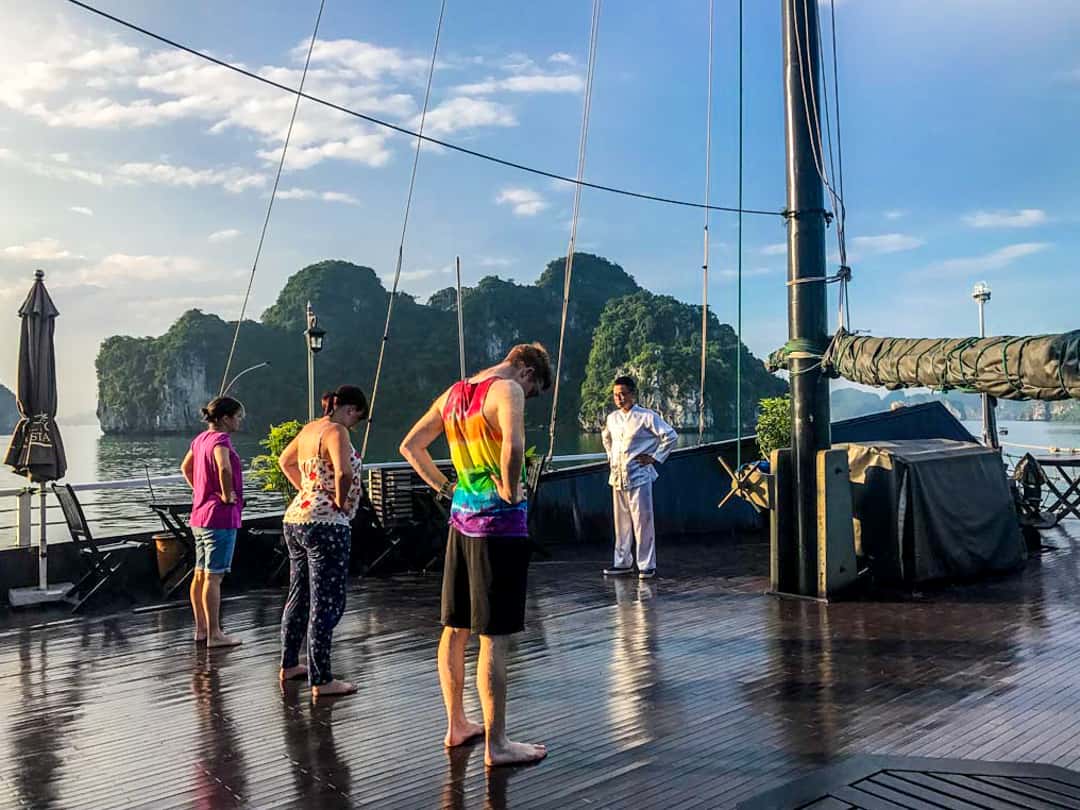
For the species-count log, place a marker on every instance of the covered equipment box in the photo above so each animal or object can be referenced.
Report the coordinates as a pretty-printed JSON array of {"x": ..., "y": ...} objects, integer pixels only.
[{"x": 928, "y": 509}]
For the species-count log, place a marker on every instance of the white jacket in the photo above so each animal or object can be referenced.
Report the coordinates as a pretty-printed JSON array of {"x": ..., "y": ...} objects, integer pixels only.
[{"x": 629, "y": 434}]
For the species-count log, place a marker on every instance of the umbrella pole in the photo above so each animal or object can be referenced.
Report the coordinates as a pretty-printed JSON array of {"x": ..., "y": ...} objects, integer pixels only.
[{"x": 43, "y": 543}]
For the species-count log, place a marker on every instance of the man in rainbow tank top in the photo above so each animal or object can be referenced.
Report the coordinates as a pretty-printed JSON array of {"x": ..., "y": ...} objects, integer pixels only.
[{"x": 487, "y": 555}]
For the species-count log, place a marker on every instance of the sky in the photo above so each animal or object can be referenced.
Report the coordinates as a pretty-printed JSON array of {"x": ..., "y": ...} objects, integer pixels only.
[{"x": 137, "y": 176}]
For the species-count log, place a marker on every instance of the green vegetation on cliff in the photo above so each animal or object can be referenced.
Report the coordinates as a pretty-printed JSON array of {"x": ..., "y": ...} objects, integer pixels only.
[
  {"x": 657, "y": 340},
  {"x": 159, "y": 384}
]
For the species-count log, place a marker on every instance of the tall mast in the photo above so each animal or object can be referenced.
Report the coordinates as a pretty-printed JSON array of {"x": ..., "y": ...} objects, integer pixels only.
[{"x": 807, "y": 320}]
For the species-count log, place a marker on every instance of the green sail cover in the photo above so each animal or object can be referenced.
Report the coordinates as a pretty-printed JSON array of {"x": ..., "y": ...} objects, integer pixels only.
[{"x": 1037, "y": 367}]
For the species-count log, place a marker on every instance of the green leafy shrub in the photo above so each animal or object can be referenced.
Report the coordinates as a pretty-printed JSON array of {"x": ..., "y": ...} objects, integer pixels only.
[
  {"x": 774, "y": 424},
  {"x": 265, "y": 467}
]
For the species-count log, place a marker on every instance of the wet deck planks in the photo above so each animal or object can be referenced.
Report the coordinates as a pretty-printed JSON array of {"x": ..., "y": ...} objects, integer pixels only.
[{"x": 691, "y": 691}]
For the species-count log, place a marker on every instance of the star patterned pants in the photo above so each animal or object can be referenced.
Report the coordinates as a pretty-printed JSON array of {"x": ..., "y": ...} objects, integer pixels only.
[{"x": 318, "y": 575}]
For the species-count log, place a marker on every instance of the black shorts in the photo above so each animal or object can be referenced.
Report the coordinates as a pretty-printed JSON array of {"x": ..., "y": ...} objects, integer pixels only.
[{"x": 484, "y": 583}]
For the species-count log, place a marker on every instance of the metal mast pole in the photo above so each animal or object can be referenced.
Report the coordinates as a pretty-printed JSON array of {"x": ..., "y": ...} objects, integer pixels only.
[
  {"x": 807, "y": 319},
  {"x": 309, "y": 316}
]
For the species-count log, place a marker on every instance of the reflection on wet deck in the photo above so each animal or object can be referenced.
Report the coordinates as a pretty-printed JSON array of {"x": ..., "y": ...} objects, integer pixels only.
[{"x": 690, "y": 691}]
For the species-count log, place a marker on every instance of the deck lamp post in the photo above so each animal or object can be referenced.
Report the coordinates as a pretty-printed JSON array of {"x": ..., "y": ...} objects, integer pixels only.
[
  {"x": 981, "y": 293},
  {"x": 313, "y": 337}
]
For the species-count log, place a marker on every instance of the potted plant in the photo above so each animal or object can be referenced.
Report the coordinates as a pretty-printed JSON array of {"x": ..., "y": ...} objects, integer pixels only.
[{"x": 265, "y": 467}]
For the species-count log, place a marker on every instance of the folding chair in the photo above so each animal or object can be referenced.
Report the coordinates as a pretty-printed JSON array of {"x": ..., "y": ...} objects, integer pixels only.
[{"x": 103, "y": 561}]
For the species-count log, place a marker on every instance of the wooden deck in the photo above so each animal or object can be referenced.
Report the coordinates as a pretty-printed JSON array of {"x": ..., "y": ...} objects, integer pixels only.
[{"x": 694, "y": 690}]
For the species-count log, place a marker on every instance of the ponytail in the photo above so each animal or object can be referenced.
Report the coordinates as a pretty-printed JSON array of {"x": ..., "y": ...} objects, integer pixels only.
[
  {"x": 220, "y": 408},
  {"x": 345, "y": 395}
]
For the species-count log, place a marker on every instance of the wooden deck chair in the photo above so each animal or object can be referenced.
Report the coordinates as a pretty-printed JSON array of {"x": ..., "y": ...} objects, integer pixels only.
[{"x": 104, "y": 561}]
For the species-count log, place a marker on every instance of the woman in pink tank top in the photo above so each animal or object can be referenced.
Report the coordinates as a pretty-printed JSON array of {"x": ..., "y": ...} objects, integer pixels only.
[{"x": 212, "y": 469}]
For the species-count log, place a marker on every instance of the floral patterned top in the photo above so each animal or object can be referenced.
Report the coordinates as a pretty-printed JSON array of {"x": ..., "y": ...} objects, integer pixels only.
[{"x": 314, "y": 503}]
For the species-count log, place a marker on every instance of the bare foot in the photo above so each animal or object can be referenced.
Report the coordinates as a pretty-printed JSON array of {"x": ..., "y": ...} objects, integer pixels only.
[
  {"x": 222, "y": 640},
  {"x": 334, "y": 688},
  {"x": 200, "y": 637},
  {"x": 293, "y": 673},
  {"x": 459, "y": 735},
  {"x": 512, "y": 753}
]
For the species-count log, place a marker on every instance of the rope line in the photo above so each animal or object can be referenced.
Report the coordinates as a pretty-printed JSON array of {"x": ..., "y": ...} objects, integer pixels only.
[
  {"x": 401, "y": 244},
  {"x": 705, "y": 262},
  {"x": 569, "y": 266},
  {"x": 270, "y": 205},
  {"x": 405, "y": 130}
]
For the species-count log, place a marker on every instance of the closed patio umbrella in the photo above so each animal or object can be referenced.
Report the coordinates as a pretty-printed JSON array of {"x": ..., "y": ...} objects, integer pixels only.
[{"x": 36, "y": 450}]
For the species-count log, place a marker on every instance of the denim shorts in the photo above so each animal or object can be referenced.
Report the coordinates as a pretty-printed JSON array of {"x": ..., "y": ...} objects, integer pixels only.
[{"x": 214, "y": 549}]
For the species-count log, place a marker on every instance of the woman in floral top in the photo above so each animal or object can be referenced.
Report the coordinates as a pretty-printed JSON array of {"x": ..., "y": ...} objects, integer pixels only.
[{"x": 325, "y": 470}]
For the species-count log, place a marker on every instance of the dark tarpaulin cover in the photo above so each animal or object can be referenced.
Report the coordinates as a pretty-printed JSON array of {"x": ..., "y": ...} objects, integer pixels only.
[
  {"x": 930, "y": 509},
  {"x": 1038, "y": 367}
]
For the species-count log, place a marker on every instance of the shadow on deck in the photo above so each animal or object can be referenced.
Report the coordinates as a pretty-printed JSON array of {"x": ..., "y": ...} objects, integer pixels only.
[{"x": 694, "y": 690}]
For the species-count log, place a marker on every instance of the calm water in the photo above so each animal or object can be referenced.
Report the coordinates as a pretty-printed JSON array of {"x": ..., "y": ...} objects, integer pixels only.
[{"x": 93, "y": 456}]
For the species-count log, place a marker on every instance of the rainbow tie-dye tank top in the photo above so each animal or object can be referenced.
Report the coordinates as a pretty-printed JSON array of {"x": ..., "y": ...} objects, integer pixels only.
[{"x": 475, "y": 449}]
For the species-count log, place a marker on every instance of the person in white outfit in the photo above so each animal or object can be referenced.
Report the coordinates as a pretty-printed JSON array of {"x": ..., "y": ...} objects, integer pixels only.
[{"x": 636, "y": 439}]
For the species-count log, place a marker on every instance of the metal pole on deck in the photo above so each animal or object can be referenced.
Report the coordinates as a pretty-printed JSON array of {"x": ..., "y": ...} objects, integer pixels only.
[
  {"x": 981, "y": 294},
  {"x": 807, "y": 319},
  {"x": 309, "y": 317},
  {"x": 460, "y": 319},
  {"x": 43, "y": 542}
]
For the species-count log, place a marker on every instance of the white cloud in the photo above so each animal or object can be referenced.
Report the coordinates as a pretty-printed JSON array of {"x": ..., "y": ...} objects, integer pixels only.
[
  {"x": 223, "y": 235},
  {"x": 367, "y": 148},
  {"x": 233, "y": 180},
  {"x": 72, "y": 79},
  {"x": 112, "y": 57},
  {"x": 1024, "y": 218},
  {"x": 495, "y": 261},
  {"x": 53, "y": 171},
  {"x": 535, "y": 83},
  {"x": 995, "y": 260},
  {"x": 895, "y": 213},
  {"x": 467, "y": 113},
  {"x": 361, "y": 59},
  {"x": 562, "y": 58},
  {"x": 121, "y": 267},
  {"x": 309, "y": 194},
  {"x": 775, "y": 249},
  {"x": 46, "y": 249},
  {"x": 525, "y": 201},
  {"x": 82, "y": 209},
  {"x": 885, "y": 243}
]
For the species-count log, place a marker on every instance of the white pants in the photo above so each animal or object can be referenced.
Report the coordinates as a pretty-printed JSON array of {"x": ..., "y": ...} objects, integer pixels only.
[{"x": 634, "y": 519}]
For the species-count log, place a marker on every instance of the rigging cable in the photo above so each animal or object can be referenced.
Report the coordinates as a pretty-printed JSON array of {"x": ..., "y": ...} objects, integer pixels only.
[
  {"x": 273, "y": 196},
  {"x": 401, "y": 244},
  {"x": 845, "y": 300},
  {"x": 705, "y": 262},
  {"x": 568, "y": 269},
  {"x": 405, "y": 130}
]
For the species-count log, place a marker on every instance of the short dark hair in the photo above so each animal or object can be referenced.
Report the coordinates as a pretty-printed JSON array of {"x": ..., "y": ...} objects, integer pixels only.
[
  {"x": 534, "y": 356},
  {"x": 627, "y": 381},
  {"x": 345, "y": 395},
  {"x": 220, "y": 408}
]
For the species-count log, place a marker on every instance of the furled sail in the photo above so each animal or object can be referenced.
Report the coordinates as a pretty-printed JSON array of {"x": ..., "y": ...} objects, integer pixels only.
[{"x": 1035, "y": 367}]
